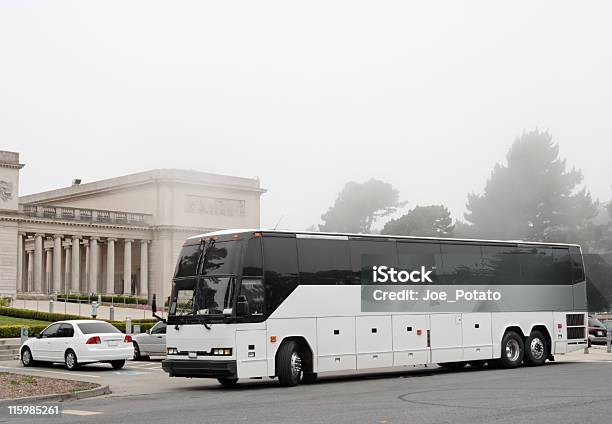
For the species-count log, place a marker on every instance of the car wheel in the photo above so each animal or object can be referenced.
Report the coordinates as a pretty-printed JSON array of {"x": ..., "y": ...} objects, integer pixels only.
[
  {"x": 452, "y": 365},
  {"x": 70, "y": 359},
  {"x": 138, "y": 356},
  {"x": 536, "y": 349},
  {"x": 117, "y": 365},
  {"x": 227, "y": 382},
  {"x": 512, "y": 350},
  {"x": 26, "y": 357},
  {"x": 289, "y": 364}
]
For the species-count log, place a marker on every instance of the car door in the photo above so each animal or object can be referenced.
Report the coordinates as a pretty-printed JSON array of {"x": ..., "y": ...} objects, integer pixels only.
[
  {"x": 157, "y": 339},
  {"x": 61, "y": 341},
  {"x": 41, "y": 348}
]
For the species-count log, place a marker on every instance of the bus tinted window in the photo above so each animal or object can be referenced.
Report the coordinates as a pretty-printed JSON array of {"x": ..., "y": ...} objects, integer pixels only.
[
  {"x": 324, "y": 261},
  {"x": 577, "y": 265},
  {"x": 280, "y": 269},
  {"x": 412, "y": 256},
  {"x": 188, "y": 261},
  {"x": 368, "y": 253},
  {"x": 222, "y": 257},
  {"x": 461, "y": 264},
  {"x": 545, "y": 265},
  {"x": 561, "y": 272},
  {"x": 500, "y": 265},
  {"x": 252, "y": 265}
]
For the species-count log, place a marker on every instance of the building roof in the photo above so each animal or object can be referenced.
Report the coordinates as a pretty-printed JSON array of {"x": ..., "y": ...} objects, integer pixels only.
[{"x": 140, "y": 178}]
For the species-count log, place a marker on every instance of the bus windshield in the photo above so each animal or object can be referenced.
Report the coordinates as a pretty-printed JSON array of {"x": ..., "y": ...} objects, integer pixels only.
[{"x": 204, "y": 296}]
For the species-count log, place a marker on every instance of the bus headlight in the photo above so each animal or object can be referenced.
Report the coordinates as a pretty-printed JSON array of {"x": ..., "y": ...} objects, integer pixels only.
[
  {"x": 172, "y": 351},
  {"x": 223, "y": 352}
]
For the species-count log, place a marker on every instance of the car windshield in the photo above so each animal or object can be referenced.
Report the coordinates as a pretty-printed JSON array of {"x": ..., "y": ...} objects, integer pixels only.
[
  {"x": 206, "y": 296},
  {"x": 97, "y": 327},
  {"x": 594, "y": 322}
]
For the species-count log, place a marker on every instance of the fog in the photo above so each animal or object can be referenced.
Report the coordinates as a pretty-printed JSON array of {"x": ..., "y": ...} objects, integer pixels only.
[{"x": 424, "y": 95}]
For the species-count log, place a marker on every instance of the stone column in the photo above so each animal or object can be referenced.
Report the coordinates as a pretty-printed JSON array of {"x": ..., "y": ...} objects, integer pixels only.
[
  {"x": 38, "y": 262},
  {"x": 144, "y": 268},
  {"x": 48, "y": 270},
  {"x": 30, "y": 277},
  {"x": 93, "y": 264},
  {"x": 127, "y": 266},
  {"x": 110, "y": 265},
  {"x": 68, "y": 267},
  {"x": 85, "y": 280},
  {"x": 20, "y": 262},
  {"x": 76, "y": 265},
  {"x": 57, "y": 263}
]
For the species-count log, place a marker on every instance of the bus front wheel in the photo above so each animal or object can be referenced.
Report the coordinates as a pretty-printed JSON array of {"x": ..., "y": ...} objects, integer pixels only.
[{"x": 289, "y": 364}]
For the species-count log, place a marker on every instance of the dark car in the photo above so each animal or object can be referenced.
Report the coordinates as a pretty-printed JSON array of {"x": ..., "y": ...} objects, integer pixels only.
[{"x": 597, "y": 332}]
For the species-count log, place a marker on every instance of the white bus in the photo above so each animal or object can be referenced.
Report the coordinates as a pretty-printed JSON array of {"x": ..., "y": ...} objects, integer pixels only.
[{"x": 292, "y": 305}]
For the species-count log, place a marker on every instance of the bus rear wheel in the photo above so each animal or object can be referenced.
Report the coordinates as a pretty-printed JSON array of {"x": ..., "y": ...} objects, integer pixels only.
[
  {"x": 512, "y": 350},
  {"x": 289, "y": 364},
  {"x": 536, "y": 349}
]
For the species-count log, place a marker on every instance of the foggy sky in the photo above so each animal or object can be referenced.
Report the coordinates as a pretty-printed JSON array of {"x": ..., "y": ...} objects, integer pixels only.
[{"x": 305, "y": 95}]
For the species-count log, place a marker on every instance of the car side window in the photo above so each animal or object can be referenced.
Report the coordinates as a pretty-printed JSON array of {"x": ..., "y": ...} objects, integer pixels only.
[
  {"x": 50, "y": 331},
  {"x": 65, "y": 330},
  {"x": 159, "y": 328}
]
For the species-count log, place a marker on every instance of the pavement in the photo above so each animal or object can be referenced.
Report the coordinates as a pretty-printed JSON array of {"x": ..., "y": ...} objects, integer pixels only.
[
  {"x": 84, "y": 309},
  {"x": 575, "y": 388}
]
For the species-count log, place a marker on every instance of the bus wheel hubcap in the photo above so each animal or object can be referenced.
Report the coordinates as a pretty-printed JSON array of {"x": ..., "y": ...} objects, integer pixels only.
[
  {"x": 512, "y": 350},
  {"x": 537, "y": 348},
  {"x": 296, "y": 363}
]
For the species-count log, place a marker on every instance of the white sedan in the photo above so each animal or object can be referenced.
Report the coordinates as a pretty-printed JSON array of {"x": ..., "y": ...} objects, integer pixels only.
[{"x": 78, "y": 342}]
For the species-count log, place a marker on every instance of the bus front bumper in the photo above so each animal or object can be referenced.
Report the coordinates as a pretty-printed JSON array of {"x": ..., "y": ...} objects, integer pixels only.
[{"x": 200, "y": 368}]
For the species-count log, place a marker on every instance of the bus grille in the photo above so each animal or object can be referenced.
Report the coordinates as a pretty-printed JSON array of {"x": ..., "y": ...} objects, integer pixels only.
[
  {"x": 575, "y": 333},
  {"x": 574, "y": 320}
]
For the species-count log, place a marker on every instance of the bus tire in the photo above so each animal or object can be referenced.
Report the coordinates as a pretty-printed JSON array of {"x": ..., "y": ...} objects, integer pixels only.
[
  {"x": 289, "y": 364},
  {"x": 452, "y": 365},
  {"x": 536, "y": 349},
  {"x": 512, "y": 350},
  {"x": 227, "y": 382}
]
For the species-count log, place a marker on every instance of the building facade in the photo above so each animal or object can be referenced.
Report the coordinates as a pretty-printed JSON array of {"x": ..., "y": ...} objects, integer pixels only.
[{"x": 116, "y": 236}]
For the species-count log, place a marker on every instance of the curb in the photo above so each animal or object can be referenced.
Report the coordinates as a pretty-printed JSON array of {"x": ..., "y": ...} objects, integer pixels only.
[{"x": 83, "y": 394}]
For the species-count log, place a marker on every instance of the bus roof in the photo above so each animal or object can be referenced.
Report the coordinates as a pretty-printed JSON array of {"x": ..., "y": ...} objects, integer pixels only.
[{"x": 322, "y": 235}]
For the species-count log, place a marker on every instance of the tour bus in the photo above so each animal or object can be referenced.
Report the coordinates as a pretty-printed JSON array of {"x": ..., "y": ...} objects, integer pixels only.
[{"x": 293, "y": 305}]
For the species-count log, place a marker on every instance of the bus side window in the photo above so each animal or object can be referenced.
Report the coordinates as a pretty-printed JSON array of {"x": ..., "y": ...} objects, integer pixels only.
[
  {"x": 252, "y": 259},
  {"x": 280, "y": 269},
  {"x": 577, "y": 265},
  {"x": 324, "y": 261},
  {"x": 365, "y": 254}
]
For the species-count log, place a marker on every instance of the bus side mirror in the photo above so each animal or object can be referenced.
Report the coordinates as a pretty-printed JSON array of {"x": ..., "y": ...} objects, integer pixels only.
[
  {"x": 242, "y": 306},
  {"x": 154, "y": 309}
]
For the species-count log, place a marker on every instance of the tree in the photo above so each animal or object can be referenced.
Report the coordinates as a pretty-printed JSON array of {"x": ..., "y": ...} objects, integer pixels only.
[
  {"x": 359, "y": 205},
  {"x": 533, "y": 197},
  {"x": 426, "y": 221}
]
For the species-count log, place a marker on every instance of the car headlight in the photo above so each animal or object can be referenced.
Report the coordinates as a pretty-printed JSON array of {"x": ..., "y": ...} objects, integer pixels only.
[
  {"x": 172, "y": 351},
  {"x": 222, "y": 351}
]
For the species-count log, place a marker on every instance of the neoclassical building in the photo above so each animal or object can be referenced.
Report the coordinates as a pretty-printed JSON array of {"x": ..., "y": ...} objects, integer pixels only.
[{"x": 117, "y": 236}]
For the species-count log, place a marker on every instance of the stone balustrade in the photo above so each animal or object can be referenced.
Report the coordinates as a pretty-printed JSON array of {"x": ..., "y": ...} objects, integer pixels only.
[{"x": 85, "y": 215}]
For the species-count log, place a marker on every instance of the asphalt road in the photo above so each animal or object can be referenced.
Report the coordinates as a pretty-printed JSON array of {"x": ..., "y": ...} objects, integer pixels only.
[{"x": 578, "y": 392}]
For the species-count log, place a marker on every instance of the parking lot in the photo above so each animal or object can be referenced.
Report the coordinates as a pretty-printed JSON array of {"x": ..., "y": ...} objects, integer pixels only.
[{"x": 576, "y": 388}]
